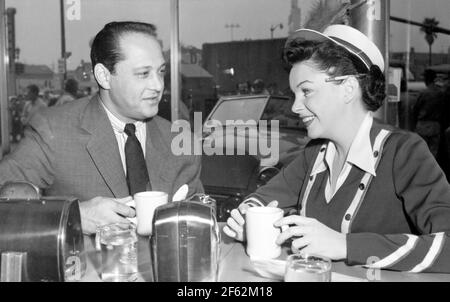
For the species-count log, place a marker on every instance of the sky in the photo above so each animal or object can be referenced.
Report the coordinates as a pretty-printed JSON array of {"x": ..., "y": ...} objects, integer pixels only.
[{"x": 38, "y": 32}]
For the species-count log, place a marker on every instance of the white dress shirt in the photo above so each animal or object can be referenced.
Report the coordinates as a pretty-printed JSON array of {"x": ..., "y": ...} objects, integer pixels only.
[
  {"x": 121, "y": 137},
  {"x": 360, "y": 155}
]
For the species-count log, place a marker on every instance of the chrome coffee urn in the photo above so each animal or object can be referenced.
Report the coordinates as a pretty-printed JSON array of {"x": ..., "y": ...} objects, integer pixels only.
[
  {"x": 185, "y": 241},
  {"x": 40, "y": 237}
]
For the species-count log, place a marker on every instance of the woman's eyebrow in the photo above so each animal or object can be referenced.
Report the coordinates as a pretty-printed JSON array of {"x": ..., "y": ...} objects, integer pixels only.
[{"x": 299, "y": 84}]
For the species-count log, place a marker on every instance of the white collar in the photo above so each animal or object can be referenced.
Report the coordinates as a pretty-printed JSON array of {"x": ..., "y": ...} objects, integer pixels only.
[
  {"x": 360, "y": 153},
  {"x": 117, "y": 124}
]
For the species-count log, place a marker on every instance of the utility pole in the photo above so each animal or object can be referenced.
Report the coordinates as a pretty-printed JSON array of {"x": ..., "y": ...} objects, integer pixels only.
[
  {"x": 232, "y": 27},
  {"x": 371, "y": 17},
  {"x": 175, "y": 60},
  {"x": 4, "y": 74},
  {"x": 63, "y": 45},
  {"x": 273, "y": 27},
  {"x": 11, "y": 44}
]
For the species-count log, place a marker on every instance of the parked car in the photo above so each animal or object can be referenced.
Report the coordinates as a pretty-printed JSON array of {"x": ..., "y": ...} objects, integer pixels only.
[{"x": 254, "y": 150}]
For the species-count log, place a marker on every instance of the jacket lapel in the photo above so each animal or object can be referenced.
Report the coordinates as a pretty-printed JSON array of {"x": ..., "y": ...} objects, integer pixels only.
[
  {"x": 159, "y": 163},
  {"x": 103, "y": 149}
]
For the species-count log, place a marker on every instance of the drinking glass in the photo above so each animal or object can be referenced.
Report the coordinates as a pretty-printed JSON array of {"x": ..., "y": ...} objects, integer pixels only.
[
  {"x": 307, "y": 268},
  {"x": 118, "y": 244}
]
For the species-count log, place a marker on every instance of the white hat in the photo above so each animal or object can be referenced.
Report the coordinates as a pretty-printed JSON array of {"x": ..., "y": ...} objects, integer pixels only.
[{"x": 348, "y": 37}]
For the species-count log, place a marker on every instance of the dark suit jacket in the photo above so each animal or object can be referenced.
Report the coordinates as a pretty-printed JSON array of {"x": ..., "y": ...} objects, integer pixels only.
[{"x": 71, "y": 150}]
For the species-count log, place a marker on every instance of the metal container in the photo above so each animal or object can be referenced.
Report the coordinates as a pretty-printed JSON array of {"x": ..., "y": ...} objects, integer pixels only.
[
  {"x": 185, "y": 242},
  {"x": 47, "y": 233}
]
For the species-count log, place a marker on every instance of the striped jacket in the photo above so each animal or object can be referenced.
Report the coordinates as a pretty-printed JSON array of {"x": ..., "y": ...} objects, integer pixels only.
[{"x": 397, "y": 220}]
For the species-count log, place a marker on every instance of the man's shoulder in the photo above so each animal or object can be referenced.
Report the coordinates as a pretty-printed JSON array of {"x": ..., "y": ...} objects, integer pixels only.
[
  {"x": 432, "y": 92},
  {"x": 40, "y": 102},
  {"x": 162, "y": 122},
  {"x": 63, "y": 114},
  {"x": 168, "y": 131},
  {"x": 165, "y": 127},
  {"x": 65, "y": 98}
]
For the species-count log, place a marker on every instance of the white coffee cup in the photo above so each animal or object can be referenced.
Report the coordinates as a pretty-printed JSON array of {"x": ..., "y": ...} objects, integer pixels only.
[
  {"x": 145, "y": 204},
  {"x": 261, "y": 233}
]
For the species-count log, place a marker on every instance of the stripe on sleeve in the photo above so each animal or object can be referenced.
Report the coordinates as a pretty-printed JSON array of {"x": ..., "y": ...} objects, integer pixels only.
[
  {"x": 252, "y": 201},
  {"x": 399, "y": 254},
  {"x": 434, "y": 251}
]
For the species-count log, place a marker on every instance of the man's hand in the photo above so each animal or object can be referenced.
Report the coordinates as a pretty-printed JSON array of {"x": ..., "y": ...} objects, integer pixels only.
[
  {"x": 104, "y": 210},
  {"x": 235, "y": 223},
  {"x": 313, "y": 237}
]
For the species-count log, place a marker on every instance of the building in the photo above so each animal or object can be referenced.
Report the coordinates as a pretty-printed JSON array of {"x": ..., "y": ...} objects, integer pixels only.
[
  {"x": 197, "y": 84},
  {"x": 419, "y": 61},
  {"x": 237, "y": 62},
  {"x": 197, "y": 88},
  {"x": 40, "y": 75}
]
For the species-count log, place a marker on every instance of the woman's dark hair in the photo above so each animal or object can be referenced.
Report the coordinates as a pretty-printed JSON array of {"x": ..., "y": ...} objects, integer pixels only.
[
  {"x": 105, "y": 47},
  {"x": 337, "y": 61}
]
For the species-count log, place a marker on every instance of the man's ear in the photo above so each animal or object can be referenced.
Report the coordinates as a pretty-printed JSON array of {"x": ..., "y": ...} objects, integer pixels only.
[
  {"x": 351, "y": 89},
  {"x": 103, "y": 76}
]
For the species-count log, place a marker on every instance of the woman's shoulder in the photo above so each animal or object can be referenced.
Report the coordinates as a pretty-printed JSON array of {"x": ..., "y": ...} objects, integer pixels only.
[{"x": 396, "y": 136}]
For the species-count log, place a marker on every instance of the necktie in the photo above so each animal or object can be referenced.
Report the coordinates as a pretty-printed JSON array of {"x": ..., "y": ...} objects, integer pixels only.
[{"x": 137, "y": 174}]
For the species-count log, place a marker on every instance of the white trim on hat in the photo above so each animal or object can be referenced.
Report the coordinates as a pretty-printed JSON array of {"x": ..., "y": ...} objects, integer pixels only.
[{"x": 348, "y": 37}]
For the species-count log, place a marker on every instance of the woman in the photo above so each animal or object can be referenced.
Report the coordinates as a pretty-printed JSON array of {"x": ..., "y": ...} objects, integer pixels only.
[{"x": 366, "y": 193}]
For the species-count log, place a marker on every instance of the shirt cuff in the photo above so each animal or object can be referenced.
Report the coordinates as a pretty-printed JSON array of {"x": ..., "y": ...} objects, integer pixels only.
[{"x": 253, "y": 202}]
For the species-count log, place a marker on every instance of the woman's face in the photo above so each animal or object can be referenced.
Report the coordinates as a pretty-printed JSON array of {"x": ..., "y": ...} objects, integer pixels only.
[{"x": 317, "y": 102}]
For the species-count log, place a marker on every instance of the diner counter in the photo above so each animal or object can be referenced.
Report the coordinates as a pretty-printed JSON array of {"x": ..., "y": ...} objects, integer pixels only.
[{"x": 235, "y": 266}]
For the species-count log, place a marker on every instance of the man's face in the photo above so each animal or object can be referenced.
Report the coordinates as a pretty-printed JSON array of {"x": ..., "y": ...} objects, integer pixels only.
[{"x": 137, "y": 84}]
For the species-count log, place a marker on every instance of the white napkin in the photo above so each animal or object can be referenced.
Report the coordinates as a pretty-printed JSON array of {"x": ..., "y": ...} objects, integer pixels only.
[
  {"x": 269, "y": 268},
  {"x": 274, "y": 269},
  {"x": 181, "y": 193}
]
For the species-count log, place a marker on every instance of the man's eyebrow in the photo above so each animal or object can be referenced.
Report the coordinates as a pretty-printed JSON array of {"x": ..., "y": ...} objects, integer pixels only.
[
  {"x": 299, "y": 84},
  {"x": 149, "y": 67},
  {"x": 142, "y": 68}
]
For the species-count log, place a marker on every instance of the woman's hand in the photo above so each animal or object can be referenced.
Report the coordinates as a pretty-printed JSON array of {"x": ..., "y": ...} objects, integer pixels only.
[
  {"x": 313, "y": 237},
  {"x": 236, "y": 222}
]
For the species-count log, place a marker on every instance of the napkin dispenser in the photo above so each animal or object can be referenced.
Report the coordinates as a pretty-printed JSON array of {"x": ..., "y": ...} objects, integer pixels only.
[
  {"x": 185, "y": 241},
  {"x": 45, "y": 231}
]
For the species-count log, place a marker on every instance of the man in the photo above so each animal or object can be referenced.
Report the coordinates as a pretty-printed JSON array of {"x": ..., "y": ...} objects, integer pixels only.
[
  {"x": 427, "y": 112},
  {"x": 70, "y": 92},
  {"x": 33, "y": 103},
  {"x": 79, "y": 149}
]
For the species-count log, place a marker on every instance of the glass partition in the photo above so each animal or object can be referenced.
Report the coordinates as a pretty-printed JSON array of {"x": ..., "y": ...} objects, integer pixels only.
[
  {"x": 228, "y": 48},
  {"x": 35, "y": 40},
  {"x": 420, "y": 52}
]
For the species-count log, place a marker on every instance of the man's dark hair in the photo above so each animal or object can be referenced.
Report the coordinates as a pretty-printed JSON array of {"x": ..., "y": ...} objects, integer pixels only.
[
  {"x": 33, "y": 89},
  {"x": 106, "y": 47},
  {"x": 71, "y": 87},
  {"x": 429, "y": 76}
]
